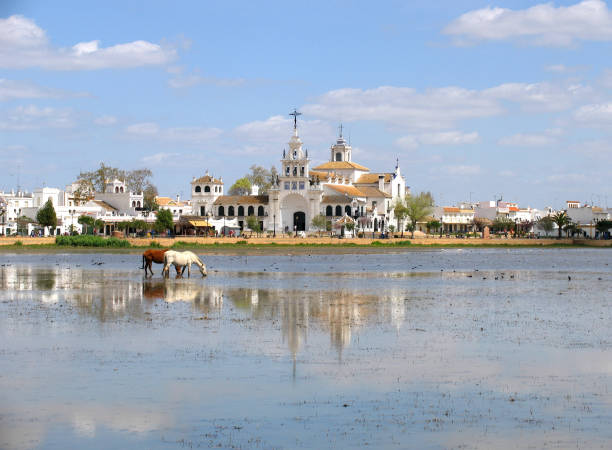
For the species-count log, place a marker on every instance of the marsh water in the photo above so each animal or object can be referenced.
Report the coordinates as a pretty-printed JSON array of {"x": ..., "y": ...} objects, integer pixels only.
[{"x": 451, "y": 348}]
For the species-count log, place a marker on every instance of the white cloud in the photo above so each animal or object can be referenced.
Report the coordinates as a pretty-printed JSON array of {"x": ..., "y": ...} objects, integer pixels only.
[
  {"x": 440, "y": 138},
  {"x": 543, "y": 24},
  {"x": 595, "y": 114},
  {"x": 461, "y": 170},
  {"x": 23, "y": 44},
  {"x": 278, "y": 129},
  {"x": 32, "y": 118},
  {"x": 189, "y": 135},
  {"x": 449, "y": 138},
  {"x": 404, "y": 107},
  {"x": 105, "y": 120},
  {"x": 541, "y": 96},
  {"x": 181, "y": 81},
  {"x": 159, "y": 158},
  {"x": 441, "y": 108},
  {"x": 526, "y": 140},
  {"x": 14, "y": 89}
]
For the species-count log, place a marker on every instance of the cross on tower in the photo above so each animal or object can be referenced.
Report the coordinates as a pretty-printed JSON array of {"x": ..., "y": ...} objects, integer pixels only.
[
  {"x": 295, "y": 115},
  {"x": 340, "y": 128}
]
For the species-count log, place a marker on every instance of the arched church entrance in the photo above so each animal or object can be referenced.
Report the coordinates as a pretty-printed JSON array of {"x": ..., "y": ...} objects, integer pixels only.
[
  {"x": 299, "y": 221},
  {"x": 293, "y": 212}
]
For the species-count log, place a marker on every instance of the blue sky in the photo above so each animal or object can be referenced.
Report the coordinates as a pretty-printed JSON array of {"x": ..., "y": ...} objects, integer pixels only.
[{"x": 477, "y": 99}]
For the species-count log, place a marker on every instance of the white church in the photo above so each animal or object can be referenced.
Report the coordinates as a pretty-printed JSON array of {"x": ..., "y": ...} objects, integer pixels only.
[{"x": 339, "y": 189}]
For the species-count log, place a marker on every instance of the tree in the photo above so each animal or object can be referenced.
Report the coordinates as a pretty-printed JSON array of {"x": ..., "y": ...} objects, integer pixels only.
[
  {"x": 417, "y": 208},
  {"x": 350, "y": 226},
  {"x": 603, "y": 226},
  {"x": 163, "y": 221},
  {"x": 546, "y": 224},
  {"x": 138, "y": 225},
  {"x": 149, "y": 194},
  {"x": 253, "y": 224},
  {"x": 561, "y": 219},
  {"x": 136, "y": 180},
  {"x": 98, "y": 225},
  {"x": 86, "y": 221},
  {"x": 482, "y": 222},
  {"x": 46, "y": 216},
  {"x": 22, "y": 224},
  {"x": 259, "y": 176},
  {"x": 502, "y": 224},
  {"x": 399, "y": 210},
  {"x": 319, "y": 222},
  {"x": 434, "y": 225},
  {"x": 242, "y": 186},
  {"x": 571, "y": 228}
]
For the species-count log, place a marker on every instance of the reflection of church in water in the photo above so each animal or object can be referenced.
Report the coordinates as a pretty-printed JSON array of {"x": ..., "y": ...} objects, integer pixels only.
[{"x": 335, "y": 189}]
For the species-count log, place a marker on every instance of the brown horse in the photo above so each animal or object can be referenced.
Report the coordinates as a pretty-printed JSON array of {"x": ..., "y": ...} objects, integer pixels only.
[{"x": 154, "y": 256}]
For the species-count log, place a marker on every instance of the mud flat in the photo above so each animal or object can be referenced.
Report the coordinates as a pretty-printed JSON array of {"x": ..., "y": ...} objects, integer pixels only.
[{"x": 446, "y": 348}]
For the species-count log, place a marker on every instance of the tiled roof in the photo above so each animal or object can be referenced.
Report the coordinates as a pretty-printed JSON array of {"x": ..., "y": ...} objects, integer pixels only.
[
  {"x": 104, "y": 205},
  {"x": 242, "y": 200},
  {"x": 207, "y": 179},
  {"x": 371, "y": 178},
  {"x": 335, "y": 199},
  {"x": 315, "y": 174},
  {"x": 451, "y": 209},
  {"x": 370, "y": 191},
  {"x": 335, "y": 165},
  {"x": 344, "y": 189},
  {"x": 167, "y": 201}
]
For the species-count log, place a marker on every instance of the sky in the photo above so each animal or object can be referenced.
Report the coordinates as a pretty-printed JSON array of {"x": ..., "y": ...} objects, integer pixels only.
[{"x": 479, "y": 100}]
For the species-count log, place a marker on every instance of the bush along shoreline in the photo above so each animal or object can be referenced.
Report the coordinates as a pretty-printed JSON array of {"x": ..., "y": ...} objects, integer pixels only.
[{"x": 91, "y": 241}]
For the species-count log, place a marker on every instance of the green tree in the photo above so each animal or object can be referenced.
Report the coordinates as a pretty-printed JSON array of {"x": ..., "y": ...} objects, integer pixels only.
[
  {"x": 138, "y": 225},
  {"x": 163, "y": 221},
  {"x": 46, "y": 216},
  {"x": 98, "y": 226},
  {"x": 86, "y": 221},
  {"x": 546, "y": 224},
  {"x": 136, "y": 180},
  {"x": 259, "y": 176},
  {"x": 481, "y": 222},
  {"x": 319, "y": 222},
  {"x": 22, "y": 224},
  {"x": 253, "y": 224},
  {"x": 417, "y": 208},
  {"x": 242, "y": 186},
  {"x": 603, "y": 226},
  {"x": 571, "y": 228},
  {"x": 400, "y": 212},
  {"x": 502, "y": 225},
  {"x": 350, "y": 226},
  {"x": 434, "y": 225},
  {"x": 561, "y": 219}
]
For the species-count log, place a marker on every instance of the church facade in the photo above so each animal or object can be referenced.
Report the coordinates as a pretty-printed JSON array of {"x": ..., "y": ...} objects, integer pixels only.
[{"x": 340, "y": 189}]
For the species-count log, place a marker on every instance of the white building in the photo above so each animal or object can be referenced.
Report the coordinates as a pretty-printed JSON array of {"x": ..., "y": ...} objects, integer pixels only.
[
  {"x": 12, "y": 205},
  {"x": 586, "y": 217},
  {"x": 334, "y": 189}
]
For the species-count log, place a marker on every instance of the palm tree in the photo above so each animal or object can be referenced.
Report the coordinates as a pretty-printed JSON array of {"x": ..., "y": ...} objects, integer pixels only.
[{"x": 561, "y": 219}]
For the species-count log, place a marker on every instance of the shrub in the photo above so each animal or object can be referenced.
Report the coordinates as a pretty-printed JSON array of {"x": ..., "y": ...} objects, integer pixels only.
[
  {"x": 241, "y": 242},
  {"x": 155, "y": 244},
  {"x": 91, "y": 241},
  {"x": 18, "y": 243}
]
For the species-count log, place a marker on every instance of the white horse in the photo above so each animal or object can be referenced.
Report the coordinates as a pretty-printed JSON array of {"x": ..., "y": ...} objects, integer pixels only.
[{"x": 182, "y": 259}]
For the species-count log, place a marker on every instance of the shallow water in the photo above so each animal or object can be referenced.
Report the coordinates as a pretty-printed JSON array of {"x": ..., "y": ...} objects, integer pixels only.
[{"x": 453, "y": 348}]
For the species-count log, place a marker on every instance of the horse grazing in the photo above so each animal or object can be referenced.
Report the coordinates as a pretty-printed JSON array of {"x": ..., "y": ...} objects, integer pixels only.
[
  {"x": 153, "y": 256},
  {"x": 180, "y": 260}
]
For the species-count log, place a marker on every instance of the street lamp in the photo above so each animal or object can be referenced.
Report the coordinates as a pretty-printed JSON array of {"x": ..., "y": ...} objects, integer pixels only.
[{"x": 274, "y": 216}]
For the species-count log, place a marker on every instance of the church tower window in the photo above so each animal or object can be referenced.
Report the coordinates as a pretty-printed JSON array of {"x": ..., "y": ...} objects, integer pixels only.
[
  {"x": 206, "y": 188},
  {"x": 338, "y": 156},
  {"x": 230, "y": 211},
  {"x": 338, "y": 210},
  {"x": 198, "y": 189},
  {"x": 329, "y": 211}
]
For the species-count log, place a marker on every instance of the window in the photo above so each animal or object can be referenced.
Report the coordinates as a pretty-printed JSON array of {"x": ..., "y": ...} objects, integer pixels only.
[
  {"x": 338, "y": 156},
  {"x": 286, "y": 185},
  {"x": 302, "y": 185},
  {"x": 133, "y": 204},
  {"x": 287, "y": 170},
  {"x": 260, "y": 211},
  {"x": 138, "y": 204},
  {"x": 221, "y": 211},
  {"x": 251, "y": 211},
  {"x": 240, "y": 211},
  {"x": 116, "y": 190},
  {"x": 294, "y": 154},
  {"x": 294, "y": 185},
  {"x": 302, "y": 171},
  {"x": 198, "y": 189},
  {"x": 206, "y": 188},
  {"x": 338, "y": 210},
  {"x": 329, "y": 211},
  {"x": 202, "y": 210},
  {"x": 230, "y": 211},
  {"x": 121, "y": 189},
  {"x": 295, "y": 171},
  {"x": 347, "y": 210}
]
